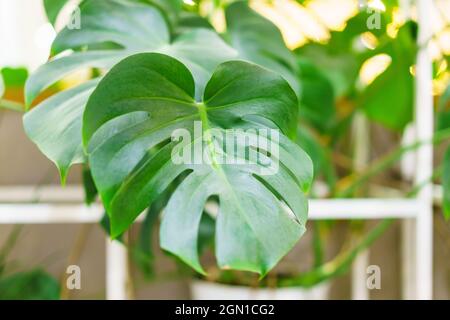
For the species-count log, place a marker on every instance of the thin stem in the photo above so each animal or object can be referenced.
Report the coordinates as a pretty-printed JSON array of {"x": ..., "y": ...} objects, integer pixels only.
[
  {"x": 341, "y": 263},
  {"x": 317, "y": 244},
  {"x": 9, "y": 245},
  {"x": 75, "y": 256},
  {"x": 350, "y": 183},
  {"x": 11, "y": 105}
]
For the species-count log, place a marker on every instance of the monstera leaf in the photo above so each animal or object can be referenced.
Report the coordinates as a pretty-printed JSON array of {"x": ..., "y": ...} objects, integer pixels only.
[
  {"x": 259, "y": 41},
  {"x": 110, "y": 30},
  {"x": 143, "y": 118},
  {"x": 53, "y": 8}
]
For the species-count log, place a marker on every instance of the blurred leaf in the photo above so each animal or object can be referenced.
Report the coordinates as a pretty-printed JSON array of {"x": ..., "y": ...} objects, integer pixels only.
[
  {"x": 188, "y": 21},
  {"x": 318, "y": 153},
  {"x": 2, "y": 86},
  {"x": 206, "y": 232},
  {"x": 143, "y": 251},
  {"x": 443, "y": 114},
  {"x": 90, "y": 190},
  {"x": 341, "y": 69},
  {"x": 53, "y": 8},
  {"x": 170, "y": 8},
  {"x": 342, "y": 56},
  {"x": 446, "y": 184},
  {"x": 317, "y": 99},
  {"x": 389, "y": 98},
  {"x": 344, "y": 41},
  {"x": 259, "y": 41},
  {"x": 8, "y": 246},
  {"x": 32, "y": 285},
  {"x": 14, "y": 77}
]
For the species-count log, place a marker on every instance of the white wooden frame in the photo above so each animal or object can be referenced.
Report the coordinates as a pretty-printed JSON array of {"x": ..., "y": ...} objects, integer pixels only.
[{"x": 49, "y": 204}]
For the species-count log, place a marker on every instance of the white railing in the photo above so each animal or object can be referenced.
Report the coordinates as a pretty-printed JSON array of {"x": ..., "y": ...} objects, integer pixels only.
[{"x": 51, "y": 204}]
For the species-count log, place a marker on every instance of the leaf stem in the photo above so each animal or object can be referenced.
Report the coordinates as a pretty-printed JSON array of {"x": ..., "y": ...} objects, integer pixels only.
[{"x": 11, "y": 105}]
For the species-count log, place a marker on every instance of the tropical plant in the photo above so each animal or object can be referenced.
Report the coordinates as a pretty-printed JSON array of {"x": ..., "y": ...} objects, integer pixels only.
[
  {"x": 161, "y": 66},
  {"x": 129, "y": 151},
  {"x": 35, "y": 284}
]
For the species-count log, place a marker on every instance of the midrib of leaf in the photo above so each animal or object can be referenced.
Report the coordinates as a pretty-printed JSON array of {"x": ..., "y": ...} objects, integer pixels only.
[{"x": 216, "y": 166}]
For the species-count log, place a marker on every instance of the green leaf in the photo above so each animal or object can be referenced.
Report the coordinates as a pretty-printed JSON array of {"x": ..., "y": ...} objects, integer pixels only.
[
  {"x": 317, "y": 100},
  {"x": 443, "y": 115},
  {"x": 14, "y": 77},
  {"x": 53, "y": 8},
  {"x": 32, "y": 285},
  {"x": 105, "y": 223},
  {"x": 2, "y": 86},
  {"x": 340, "y": 68},
  {"x": 446, "y": 184},
  {"x": 206, "y": 232},
  {"x": 171, "y": 8},
  {"x": 132, "y": 27},
  {"x": 55, "y": 126},
  {"x": 189, "y": 20},
  {"x": 259, "y": 41},
  {"x": 254, "y": 230},
  {"x": 320, "y": 156},
  {"x": 143, "y": 252},
  {"x": 389, "y": 98},
  {"x": 90, "y": 190},
  {"x": 7, "y": 247}
]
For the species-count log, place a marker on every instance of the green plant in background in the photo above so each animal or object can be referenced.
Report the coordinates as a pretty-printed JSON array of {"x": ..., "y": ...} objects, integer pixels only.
[
  {"x": 35, "y": 284},
  {"x": 443, "y": 124},
  {"x": 2, "y": 87},
  {"x": 11, "y": 78},
  {"x": 118, "y": 124}
]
